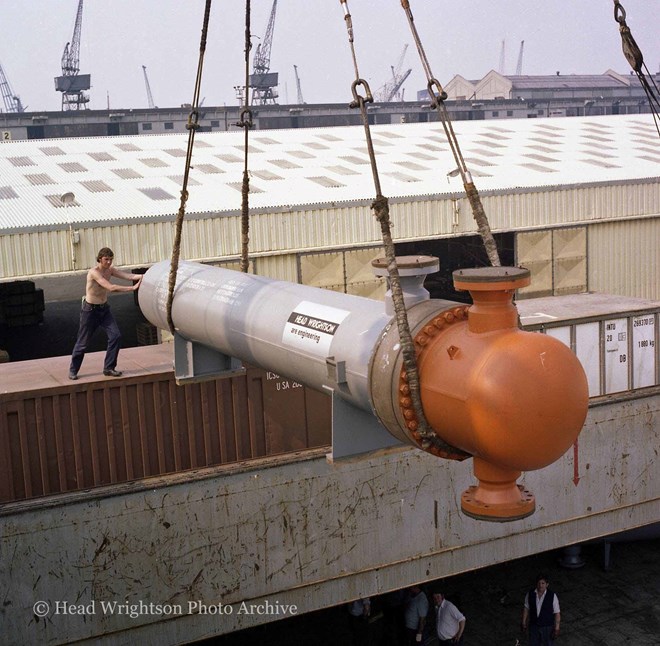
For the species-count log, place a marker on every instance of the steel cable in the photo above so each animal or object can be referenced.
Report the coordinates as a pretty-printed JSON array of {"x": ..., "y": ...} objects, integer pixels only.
[
  {"x": 437, "y": 102},
  {"x": 635, "y": 58},
  {"x": 381, "y": 210},
  {"x": 246, "y": 123},
  {"x": 192, "y": 125}
]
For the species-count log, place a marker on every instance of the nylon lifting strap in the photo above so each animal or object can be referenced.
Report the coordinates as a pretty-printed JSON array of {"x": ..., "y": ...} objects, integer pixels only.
[
  {"x": 381, "y": 210},
  {"x": 635, "y": 58},
  {"x": 437, "y": 102},
  {"x": 246, "y": 123},
  {"x": 192, "y": 125}
]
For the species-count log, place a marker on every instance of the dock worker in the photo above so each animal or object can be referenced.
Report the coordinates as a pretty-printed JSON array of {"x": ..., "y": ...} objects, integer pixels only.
[
  {"x": 95, "y": 312},
  {"x": 415, "y": 612},
  {"x": 359, "y": 612},
  {"x": 449, "y": 620},
  {"x": 541, "y": 613}
]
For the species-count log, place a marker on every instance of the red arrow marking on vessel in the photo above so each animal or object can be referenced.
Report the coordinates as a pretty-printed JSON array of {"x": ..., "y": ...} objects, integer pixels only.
[{"x": 576, "y": 464}]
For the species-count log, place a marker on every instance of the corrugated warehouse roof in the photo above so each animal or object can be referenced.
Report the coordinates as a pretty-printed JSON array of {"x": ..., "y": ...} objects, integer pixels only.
[
  {"x": 140, "y": 177},
  {"x": 575, "y": 81}
]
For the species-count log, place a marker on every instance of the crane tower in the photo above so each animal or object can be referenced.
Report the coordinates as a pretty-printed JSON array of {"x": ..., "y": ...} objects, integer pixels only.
[
  {"x": 262, "y": 81},
  {"x": 520, "y": 59},
  {"x": 71, "y": 84},
  {"x": 391, "y": 91},
  {"x": 12, "y": 101},
  {"x": 298, "y": 87},
  {"x": 150, "y": 98}
]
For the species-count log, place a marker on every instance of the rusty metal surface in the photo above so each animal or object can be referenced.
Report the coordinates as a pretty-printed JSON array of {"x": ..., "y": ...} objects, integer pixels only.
[
  {"x": 59, "y": 436},
  {"x": 298, "y": 531}
]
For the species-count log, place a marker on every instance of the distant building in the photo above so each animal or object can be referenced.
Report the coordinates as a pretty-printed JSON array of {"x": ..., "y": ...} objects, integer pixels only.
[
  {"x": 612, "y": 92},
  {"x": 494, "y": 86},
  {"x": 493, "y": 97}
]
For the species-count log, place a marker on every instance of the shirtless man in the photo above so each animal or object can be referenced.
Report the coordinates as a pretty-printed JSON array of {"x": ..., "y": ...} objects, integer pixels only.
[{"x": 96, "y": 313}]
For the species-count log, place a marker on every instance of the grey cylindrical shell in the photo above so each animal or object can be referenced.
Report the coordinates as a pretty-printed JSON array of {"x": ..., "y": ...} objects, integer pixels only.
[{"x": 288, "y": 328}]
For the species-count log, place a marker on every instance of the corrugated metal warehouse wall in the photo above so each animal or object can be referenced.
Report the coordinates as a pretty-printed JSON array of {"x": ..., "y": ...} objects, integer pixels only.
[
  {"x": 285, "y": 234},
  {"x": 139, "y": 243},
  {"x": 624, "y": 258}
]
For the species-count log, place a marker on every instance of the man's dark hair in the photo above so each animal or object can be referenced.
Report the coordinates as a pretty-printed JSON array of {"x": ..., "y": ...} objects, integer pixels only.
[
  {"x": 542, "y": 575},
  {"x": 106, "y": 252}
]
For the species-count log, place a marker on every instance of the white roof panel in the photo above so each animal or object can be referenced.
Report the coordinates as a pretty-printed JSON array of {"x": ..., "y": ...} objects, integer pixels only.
[{"x": 135, "y": 177}]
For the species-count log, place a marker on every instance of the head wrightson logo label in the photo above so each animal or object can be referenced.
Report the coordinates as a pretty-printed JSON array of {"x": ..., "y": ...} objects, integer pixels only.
[
  {"x": 311, "y": 326},
  {"x": 316, "y": 324}
]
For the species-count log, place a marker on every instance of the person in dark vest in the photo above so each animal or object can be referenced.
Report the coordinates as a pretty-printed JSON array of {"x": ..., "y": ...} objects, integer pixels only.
[{"x": 541, "y": 613}]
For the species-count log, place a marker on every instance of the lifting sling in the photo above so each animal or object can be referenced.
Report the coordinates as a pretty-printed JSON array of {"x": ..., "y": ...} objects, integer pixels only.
[
  {"x": 381, "y": 210},
  {"x": 192, "y": 125}
]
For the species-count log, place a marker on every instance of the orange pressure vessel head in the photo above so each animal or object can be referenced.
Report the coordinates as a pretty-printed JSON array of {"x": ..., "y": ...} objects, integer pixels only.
[{"x": 514, "y": 400}]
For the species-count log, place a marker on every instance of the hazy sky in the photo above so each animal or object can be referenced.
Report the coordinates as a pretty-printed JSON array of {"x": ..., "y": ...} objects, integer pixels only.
[{"x": 460, "y": 37}]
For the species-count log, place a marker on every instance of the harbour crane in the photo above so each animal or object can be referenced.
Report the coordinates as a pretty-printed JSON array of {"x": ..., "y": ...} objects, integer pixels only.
[
  {"x": 150, "y": 98},
  {"x": 71, "y": 84},
  {"x": 299, "y": 89},
  {"x": 12, "y": 101},
  {"x": 391, "y": 91},
  {"x": 520, "y": 59},
  {"x": 262, "y": 81}
]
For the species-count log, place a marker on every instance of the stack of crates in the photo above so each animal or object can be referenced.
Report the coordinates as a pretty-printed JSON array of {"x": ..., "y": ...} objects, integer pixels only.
[{"x": 21, "y": 304}]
